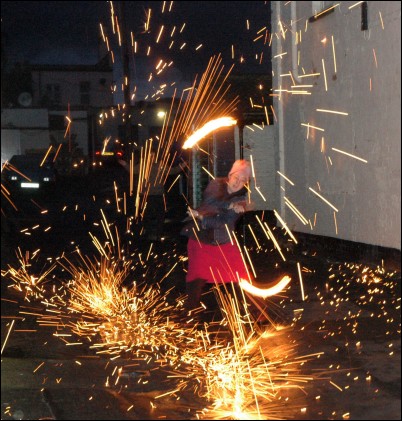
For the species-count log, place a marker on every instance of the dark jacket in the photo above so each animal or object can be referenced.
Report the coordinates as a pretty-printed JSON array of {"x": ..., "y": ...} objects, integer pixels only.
[{"x": 216, "y": 214}]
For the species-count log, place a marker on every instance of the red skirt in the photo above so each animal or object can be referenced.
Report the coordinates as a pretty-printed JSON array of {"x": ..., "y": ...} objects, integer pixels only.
[{"x": 220, "y": 264}]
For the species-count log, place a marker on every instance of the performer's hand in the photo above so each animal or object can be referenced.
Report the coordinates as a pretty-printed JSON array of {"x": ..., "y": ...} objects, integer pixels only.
[
  {"x": 193, "y": 213},
  {"x": 237, "y": 207}
]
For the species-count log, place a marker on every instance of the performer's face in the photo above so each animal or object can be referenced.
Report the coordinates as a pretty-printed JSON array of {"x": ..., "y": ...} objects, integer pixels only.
[{"x": 236, "y": 182}]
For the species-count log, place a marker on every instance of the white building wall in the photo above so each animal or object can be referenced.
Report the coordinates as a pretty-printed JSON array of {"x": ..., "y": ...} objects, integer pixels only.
[
  {"x": 24, "y": 117},
  {"x": 10, "y": 144},
  {"x": 260, "y": 149},
  {"x": 34, "y": 139},
  {"x": 357, "y": 73},
  {"x": 23, "y": 129}
]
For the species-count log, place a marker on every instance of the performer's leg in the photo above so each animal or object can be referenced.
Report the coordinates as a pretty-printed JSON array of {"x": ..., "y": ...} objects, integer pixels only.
[{"x": 194, "y": 290}]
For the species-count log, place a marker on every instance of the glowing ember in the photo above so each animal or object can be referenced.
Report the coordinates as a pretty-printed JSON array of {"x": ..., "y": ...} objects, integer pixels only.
[
  {"x": 265, "y": 292},
  {"x": 208, "y": 128}
]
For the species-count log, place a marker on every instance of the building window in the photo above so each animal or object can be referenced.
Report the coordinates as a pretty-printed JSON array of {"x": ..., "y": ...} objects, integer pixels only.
[
  {"x": 57, "y": 122},
  {"x": 84, "y": 92},
  {"x": 53, "y": 93},
  {"x": 321, "y": 8}
]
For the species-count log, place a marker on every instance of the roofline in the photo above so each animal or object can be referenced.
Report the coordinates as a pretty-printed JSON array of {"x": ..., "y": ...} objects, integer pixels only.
[{"x": 101, "y": 66}]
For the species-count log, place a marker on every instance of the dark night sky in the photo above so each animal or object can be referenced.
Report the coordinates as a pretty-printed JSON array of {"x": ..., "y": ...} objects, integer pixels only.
[
  {"x": 51, "y": 32},
  {"x": 67, "y": 32}
]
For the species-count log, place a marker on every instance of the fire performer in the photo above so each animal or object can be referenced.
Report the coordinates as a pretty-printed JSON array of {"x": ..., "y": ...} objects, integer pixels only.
[{"x": 213, "y": 253}]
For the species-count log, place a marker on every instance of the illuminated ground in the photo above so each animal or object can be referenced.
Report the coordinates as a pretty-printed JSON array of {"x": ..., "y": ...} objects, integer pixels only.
[{"x": 350, "y": 316}]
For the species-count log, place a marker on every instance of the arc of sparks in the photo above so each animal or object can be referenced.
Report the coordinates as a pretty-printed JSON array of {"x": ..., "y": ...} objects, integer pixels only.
[
  {"x": 265, "y": 292},
  {"x": 208, "y": 128}
]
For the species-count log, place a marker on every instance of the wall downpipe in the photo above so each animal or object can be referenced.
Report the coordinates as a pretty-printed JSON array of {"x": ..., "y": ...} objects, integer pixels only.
[
  {"x": 295, "y": 73},
  {"x": 293, "y": 21},
  {"x": 281, "y": 141}
]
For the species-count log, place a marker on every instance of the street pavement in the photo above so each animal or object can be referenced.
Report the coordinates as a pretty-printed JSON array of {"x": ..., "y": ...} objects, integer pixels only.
[{"x": 339, "y": 319}]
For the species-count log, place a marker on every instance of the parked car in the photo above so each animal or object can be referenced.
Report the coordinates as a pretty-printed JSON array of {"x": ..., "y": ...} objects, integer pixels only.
[
  {"x": 108, "y": 154},
  {"x": 29, "y": 172}
]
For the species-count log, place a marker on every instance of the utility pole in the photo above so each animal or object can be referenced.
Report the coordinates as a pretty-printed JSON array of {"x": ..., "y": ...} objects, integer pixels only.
[{"x": 126, "y": 80}]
